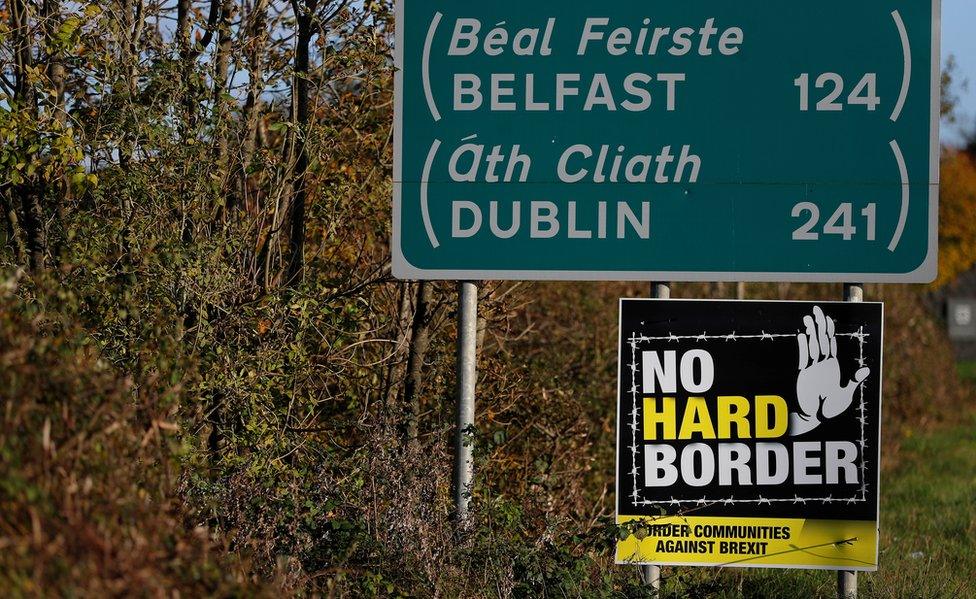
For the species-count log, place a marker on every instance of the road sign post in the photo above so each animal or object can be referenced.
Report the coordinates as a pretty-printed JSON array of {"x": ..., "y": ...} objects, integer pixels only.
[
  {"x": 467, "y": 372},
  {"x": 651, "y": 573},
  {"x": 847, "y": 579}
]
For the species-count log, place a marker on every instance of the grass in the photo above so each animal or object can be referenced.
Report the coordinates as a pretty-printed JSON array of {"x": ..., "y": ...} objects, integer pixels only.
[
  {"x": 928, "y": 534},
  {"x": 967, "y": 370},
  {"x": 929, "y": 517}
]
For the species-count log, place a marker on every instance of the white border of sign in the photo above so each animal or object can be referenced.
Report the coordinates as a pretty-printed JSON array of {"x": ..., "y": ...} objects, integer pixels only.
[
  {"x": 925, "y": 273},
  {"x": 616, "y": 463}
]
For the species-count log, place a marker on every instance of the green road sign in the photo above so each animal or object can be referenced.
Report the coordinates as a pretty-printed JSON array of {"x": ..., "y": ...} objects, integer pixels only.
[{"x": 697, "y": 140}]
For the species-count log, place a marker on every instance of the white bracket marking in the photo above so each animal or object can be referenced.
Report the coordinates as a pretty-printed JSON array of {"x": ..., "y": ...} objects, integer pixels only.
[
  {"x": 423, "y": 193},
  {"x": 425, "y": 68},
  {"x": 905, "y": 195},
  {"x": 906, "y": 78}
]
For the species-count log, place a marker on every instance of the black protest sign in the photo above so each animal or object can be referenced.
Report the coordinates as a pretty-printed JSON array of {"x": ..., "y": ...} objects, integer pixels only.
[{"x": 748, "y": 433}]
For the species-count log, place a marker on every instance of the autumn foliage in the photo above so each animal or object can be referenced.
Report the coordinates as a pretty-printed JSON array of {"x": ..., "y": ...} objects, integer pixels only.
[{"x": 957, "y": 215}]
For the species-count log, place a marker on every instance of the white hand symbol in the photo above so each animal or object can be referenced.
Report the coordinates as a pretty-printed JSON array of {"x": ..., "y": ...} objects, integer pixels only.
[{"x": 818, "y": 385}]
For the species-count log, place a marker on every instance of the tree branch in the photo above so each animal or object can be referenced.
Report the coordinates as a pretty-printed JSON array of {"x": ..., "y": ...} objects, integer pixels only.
[{"x": 199, "y": 47}]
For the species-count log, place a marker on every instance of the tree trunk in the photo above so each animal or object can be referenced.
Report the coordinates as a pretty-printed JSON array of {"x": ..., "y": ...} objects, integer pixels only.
[
  {"x": 183, "y": 27},
  {"x": 20, "y": 36},
  {"x": 482, "y": 323},
  {"x": 54, "y": 65},
  {"x": 394, "y": 369},
  {"x": 419, "y": 343},
  {"x": 300, "y": 98},
  {"x": 14, "y": 236},
  {"x": 189, "y": 52},
  {"x": 219, "y": 105},
  {"x": 25, "y": 98},
  {"x": 257, "y": 36},
  {"x": 221, "y": 71},
  {"x": 183, "y": 8},
  {"x": 55, "y": 75},
  {"x": 132, "y": 20},
  {"x": 34, "y": 225}
]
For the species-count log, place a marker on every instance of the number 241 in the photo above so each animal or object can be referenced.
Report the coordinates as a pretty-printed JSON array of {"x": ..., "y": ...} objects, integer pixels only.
[{"x": 840, "y": 223}]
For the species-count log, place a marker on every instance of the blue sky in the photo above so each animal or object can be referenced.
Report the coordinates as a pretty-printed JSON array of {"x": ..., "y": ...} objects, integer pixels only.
[{"x": 959, "y": 40}]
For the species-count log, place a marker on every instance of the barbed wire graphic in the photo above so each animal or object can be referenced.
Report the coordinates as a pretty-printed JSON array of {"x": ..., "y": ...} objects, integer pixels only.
[{"x": 635, "y": 339}]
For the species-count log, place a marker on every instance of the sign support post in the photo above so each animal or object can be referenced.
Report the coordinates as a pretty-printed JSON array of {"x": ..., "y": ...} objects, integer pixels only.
[
  {"x": 853, "y": 292},
  {"x": 847, "y": 584},
  {"x": 467, "y": 349},
  {"x": 652, "y": 573},
  {"x": 847, "y": 579}
]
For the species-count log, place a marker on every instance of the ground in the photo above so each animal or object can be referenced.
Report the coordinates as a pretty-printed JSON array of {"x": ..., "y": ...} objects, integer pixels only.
[
  {"x": 928, "y": 533},
  {"x": 967, "y": 370}
]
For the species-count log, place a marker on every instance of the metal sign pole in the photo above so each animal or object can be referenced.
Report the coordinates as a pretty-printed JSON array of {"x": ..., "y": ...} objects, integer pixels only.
[
  {"x": 467, "y": 350},
  {"x": 853, "y": 292},
  {"x": 651, "y": 573},
  {"x": 846, "y": 584},
  {"x": 847, "y": 579}
]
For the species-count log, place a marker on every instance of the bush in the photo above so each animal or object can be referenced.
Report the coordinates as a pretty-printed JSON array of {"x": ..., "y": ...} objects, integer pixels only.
[{"x": 89, "y": 462}]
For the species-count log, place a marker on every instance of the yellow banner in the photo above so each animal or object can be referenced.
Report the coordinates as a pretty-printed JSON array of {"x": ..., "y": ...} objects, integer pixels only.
[{"x": 748, "y": 542}]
